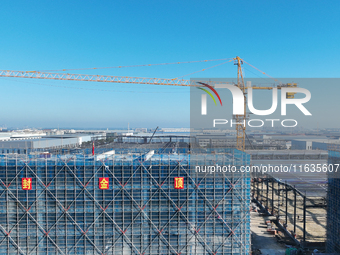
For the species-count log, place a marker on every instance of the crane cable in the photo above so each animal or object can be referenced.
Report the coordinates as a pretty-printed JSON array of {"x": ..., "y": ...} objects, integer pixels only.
[
  {"x": 260, "y": 71},
  {"x": 94, "y": 68},
  {"x": 203, "y": 69}
]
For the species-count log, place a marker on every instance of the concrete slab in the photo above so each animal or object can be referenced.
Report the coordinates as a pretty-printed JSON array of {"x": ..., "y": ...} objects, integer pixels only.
[{"x": 263, "y": 240}]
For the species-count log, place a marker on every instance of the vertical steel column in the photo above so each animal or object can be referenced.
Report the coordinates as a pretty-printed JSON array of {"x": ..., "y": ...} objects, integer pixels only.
[
  {"x": 261, "y": 190},
  {"x": 278, "y": 199},
  {"x": 214, "y": 203},
  {"x": 257, "y": 189},
  {"x": 75, "y": 195},
  {"x": 267, "y": 193},
  {"x": 232, "y": 213},
  {"x": 286, "y": 203},
  {"x": 7, "y": 206},
  {"x": 272, "y": 196},
  {"x": 294, "y": 210},
  {"x": 252, "y": 183},
  {"x": 224, "y": 205},
  {"x": 37, "y": 204},
  {"x": 65, "y": 205},
  {"x": 17, "y": 192},
  {"x": 304, "y": 219}
]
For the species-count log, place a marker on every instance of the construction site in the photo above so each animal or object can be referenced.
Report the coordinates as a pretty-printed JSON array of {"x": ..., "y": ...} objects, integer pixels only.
[
  {"x": 144, "y": 195},
  {"x": 140, "y": 210}
]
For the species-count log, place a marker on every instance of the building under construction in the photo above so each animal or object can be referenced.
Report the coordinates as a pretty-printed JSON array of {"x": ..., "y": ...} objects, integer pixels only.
[
  {"x": 135, "y": 203},
  {"x": 333, "y": 209}
]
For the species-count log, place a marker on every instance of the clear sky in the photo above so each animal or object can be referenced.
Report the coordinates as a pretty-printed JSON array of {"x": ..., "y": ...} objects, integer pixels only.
[{"x": 284, "y": 38}]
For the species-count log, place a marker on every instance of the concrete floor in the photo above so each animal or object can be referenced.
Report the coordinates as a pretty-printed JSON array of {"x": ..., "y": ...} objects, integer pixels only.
[{"x": 263, "y": 240}]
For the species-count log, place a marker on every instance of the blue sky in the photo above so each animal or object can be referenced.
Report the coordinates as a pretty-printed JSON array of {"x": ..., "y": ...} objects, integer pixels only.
[{"x": 283, "y": 38}]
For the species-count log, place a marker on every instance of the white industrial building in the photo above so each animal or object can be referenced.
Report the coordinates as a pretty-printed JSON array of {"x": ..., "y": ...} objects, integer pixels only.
[{"x": 23, "y": 144}]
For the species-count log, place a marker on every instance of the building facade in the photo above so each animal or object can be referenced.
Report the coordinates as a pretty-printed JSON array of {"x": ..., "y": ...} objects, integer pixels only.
[
  {"x": 333, "y": 206},
  {"x": 123, "y": 204}
]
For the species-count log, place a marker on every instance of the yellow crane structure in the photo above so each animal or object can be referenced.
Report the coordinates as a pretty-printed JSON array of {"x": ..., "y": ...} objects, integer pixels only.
[{"x": 240, "y": 128}]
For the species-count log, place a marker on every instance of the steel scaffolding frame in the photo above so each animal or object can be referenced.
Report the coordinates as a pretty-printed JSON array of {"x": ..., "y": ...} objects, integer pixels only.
[
  {"x": 140, "y": 213},
  {"x": 333, "y": 202}
]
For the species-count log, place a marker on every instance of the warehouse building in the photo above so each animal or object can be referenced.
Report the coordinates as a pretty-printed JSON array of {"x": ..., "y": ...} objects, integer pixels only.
[{"x": 23, "y": 145}]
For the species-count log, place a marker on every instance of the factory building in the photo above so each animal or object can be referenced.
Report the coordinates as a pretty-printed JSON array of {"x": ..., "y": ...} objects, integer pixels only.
[{"x": 23, "y": 144}]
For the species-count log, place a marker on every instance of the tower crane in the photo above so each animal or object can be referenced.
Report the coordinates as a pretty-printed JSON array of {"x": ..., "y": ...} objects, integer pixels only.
[
  {"x": 240, "y": 119},
  {"x": 240, "y": 128}
]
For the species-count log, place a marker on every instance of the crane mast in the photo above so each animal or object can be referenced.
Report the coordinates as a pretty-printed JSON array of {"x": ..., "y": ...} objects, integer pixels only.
[{"x": 240, "y": 119}]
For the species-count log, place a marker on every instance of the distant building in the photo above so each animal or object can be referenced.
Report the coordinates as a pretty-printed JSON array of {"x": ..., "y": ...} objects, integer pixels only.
[
  {"x": 141, "y": 130},
  {"x": 23, "y": 145},
  {"x": 314, "y": 144},
  {"x": 217, "y": 139},
  {"x": 175, "y": 130}
]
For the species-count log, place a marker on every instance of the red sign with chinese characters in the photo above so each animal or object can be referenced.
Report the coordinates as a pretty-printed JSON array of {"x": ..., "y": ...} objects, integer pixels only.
[
  {"x": 26, "y": 183},
  {"x": 179, "y": 182},
  {"x": 103, "y": 183}
]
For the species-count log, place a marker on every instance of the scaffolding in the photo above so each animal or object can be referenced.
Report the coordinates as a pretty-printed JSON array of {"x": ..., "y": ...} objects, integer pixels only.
[{"x": 140, "y": 212}]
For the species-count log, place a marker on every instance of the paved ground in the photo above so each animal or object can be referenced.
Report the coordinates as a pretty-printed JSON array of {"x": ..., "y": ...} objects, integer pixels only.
[{"x": 263, "y": 240}]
